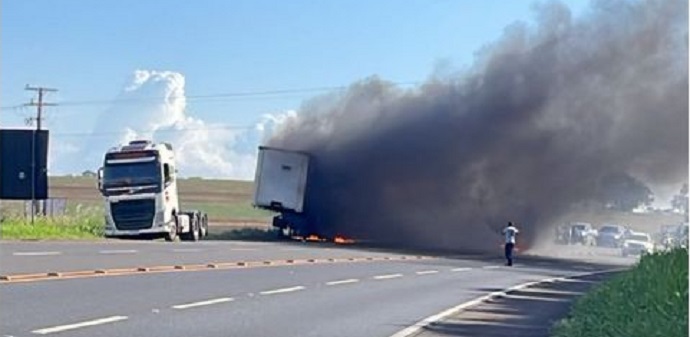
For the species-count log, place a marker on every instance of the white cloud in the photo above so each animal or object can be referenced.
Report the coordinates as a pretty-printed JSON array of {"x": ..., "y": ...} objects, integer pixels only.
[{"x": 203, "y": 149}]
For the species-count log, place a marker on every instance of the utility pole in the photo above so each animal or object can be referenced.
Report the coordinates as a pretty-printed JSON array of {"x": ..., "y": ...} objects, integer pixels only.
[
  {"x": 39, "y": 117},
  {"x": 39, "y": 104}
]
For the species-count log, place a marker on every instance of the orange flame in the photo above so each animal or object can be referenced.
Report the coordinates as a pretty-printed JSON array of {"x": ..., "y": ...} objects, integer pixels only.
[
  {"x": 341, "y": 240},
  {"x": 313, "y": 238}
]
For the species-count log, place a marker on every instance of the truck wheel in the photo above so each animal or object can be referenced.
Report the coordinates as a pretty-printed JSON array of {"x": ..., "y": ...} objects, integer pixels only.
[
  {"x": 193, "y": 233},
  {"x": 172, "y": 234},
  {"x": 196, "y": 228},
  {"x": 203, "y": 226}
]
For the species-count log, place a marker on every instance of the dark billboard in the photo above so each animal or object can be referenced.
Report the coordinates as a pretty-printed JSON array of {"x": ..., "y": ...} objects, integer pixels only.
[{"x": 17, "y": 155}]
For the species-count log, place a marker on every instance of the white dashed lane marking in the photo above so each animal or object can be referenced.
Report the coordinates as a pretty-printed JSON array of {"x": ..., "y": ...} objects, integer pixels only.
[
  {"x": 427, "y": 272},
  {"x": 491, "y": 267},
  {"x": 386, "y": 277},
  {"x": 202, "y": 303},
  {"x": 460, "y": 269},
  {"x": 333, "y": 283},
  {"x": 36, "y": 253},
  {"x": 282, "y": 290},
  {"x": 66, "y": 327}
]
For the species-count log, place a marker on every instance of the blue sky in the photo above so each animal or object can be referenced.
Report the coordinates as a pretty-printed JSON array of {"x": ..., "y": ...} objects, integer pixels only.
[{"x": 89, "y": 49}]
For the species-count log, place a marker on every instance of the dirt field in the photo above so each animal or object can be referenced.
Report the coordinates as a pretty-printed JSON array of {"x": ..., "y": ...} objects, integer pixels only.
[{"x": 227, "y": 202}]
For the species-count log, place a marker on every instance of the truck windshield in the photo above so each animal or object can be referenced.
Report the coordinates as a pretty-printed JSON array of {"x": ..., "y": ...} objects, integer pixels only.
[{"x": 131, "y": 174}]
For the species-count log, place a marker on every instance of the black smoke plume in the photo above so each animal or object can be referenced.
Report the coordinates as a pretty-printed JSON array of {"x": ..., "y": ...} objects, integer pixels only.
[{"x": 543, "y": 115}]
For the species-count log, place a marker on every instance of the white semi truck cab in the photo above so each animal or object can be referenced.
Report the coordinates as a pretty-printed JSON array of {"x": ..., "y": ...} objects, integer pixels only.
[{"x": 139, "y": 187}]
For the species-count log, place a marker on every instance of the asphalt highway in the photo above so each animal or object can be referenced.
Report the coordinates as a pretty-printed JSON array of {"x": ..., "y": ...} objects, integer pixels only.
[
  {"x": 377, "y": 298},
  {"x": 36, "y": 257}
]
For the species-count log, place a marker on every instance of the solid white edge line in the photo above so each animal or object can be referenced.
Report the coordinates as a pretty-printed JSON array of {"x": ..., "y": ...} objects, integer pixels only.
[
  {"x": 415, "y": 328},
  {"x": 202, "y": 303},
  {"x": 386, "y": 277},
  {"x": 333, "y": 283},
  {"x": 427, "y": 272},
  {"x": 36, "y": 253},
  {"x": 66, "y": 327},
  {"x": 461, "y": 269},
  {"x": 282, "y": 290}
]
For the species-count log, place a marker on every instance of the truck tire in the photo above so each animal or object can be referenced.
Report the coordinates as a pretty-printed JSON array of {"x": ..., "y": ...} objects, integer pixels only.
[
  {"x": 172, "y": 234},
  {"x": 203, "y": 228},
  {"x": 193, "y": 233}
]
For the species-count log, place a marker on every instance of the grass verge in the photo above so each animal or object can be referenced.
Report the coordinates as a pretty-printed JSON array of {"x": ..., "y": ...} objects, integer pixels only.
[
  {"x": 79, "y": 225},
  {"x": 651, "y": 299}
]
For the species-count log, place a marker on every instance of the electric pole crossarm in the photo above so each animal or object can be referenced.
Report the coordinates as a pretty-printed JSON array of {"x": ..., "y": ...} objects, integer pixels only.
[{"x": 40, "y": 104}]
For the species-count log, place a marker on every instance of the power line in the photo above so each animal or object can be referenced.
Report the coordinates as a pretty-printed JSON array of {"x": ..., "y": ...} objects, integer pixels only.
[
  {"x": 39, "y": 104},
  {"x": 13, "y": 107},
  {"x": 110, "y": 133},
  {"x": 216, "y": 96}
]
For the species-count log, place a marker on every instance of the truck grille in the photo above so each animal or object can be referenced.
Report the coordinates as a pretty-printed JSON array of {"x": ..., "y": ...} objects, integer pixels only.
[{"x": 133, "y": 214}]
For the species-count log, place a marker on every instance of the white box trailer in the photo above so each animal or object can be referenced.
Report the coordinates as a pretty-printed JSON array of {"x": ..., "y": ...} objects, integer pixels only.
[{"x": 281, "y": 180}]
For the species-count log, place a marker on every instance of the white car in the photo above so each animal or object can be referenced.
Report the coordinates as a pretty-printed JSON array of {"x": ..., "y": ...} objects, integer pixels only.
[{"x": 637, "y": 243}]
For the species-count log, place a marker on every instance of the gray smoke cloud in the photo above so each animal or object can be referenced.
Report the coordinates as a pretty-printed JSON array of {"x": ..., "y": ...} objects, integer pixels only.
[{"x": 543, "y": 115}]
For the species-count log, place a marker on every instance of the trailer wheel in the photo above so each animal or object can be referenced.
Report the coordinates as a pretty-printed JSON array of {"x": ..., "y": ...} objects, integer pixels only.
[{"x": 172, "y": 234}]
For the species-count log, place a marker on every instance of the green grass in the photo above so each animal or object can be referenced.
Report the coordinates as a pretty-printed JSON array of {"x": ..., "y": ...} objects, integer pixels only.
[
  {"x": 651, "y": 299},
  {"x": 230, "y": 212},
  {"x": 84, "y": 224},
  {"x": 223, "y": 200}
]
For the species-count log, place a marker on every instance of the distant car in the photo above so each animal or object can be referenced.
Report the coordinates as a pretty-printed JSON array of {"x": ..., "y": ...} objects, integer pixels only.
[
  {"x": 563, "y": 234},
  {"x": 582, "y": 233},
  {"x": 637, "y": 243},
  {"x": 610, "y": 236}
]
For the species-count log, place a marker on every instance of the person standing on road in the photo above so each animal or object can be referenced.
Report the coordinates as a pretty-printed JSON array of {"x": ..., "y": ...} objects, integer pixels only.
[{"x": 510, "y": 233}]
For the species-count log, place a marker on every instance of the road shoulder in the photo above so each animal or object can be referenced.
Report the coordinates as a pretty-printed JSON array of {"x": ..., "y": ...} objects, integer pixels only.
[{"x": 530, "y": 311}]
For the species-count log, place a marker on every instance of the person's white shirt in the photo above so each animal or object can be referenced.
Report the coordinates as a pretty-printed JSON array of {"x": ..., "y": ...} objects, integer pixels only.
[{"x": 510, "y": 233}]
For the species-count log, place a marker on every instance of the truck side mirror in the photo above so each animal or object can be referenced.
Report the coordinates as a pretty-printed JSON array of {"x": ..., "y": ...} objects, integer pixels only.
[{"x": 100, "y": 179}]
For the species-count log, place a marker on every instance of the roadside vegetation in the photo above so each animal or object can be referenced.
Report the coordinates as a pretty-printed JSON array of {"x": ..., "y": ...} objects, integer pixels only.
[
  {"x": 77, "y": 224},
  {"x": 226, "y": 202},
  {"x": 651, "y": 299}
]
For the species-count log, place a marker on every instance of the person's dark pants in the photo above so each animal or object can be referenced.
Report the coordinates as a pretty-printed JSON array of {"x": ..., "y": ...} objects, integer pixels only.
[{"x": 509, "y": 253}]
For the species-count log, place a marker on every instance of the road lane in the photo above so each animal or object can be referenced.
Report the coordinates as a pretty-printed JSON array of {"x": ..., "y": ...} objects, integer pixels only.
[
  {"x": 148, "y": 300},
  {"x": 43, "y": 257}
]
